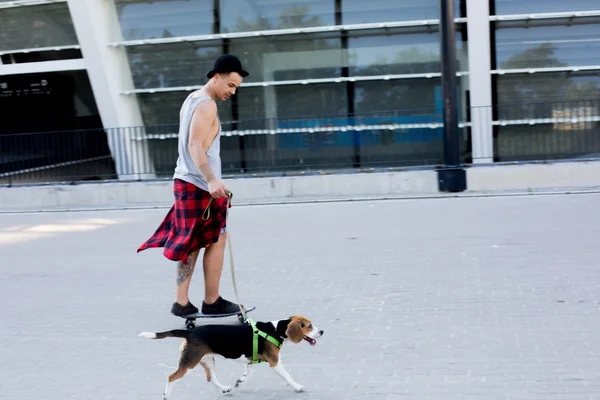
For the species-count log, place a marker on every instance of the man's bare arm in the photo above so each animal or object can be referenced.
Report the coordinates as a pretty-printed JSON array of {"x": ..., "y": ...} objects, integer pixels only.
[
  {"x": 202, "y": 121},
  {"x": 200, "y": 139}
]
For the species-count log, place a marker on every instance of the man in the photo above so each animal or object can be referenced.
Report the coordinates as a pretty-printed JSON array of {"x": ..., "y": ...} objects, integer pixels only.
[{"x": 197, "y": 178}]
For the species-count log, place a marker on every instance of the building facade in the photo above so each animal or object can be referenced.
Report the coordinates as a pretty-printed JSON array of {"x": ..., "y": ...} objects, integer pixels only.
[{"x": 333, "y": 83}]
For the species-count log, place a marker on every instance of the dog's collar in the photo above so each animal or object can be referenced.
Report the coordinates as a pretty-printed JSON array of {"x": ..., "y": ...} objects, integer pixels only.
[{"x": 257, "y": 332}]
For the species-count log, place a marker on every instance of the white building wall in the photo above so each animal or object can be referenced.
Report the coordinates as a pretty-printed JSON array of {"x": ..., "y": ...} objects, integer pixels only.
[
  {"x": 480, "y": 80},
  {"x": 97, "y": 24}
]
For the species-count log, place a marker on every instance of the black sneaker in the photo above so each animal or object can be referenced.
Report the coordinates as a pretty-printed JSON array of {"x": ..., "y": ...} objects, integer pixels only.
[
  {"x": 181, "y": 311},
  {"x": 221, "y": 306}
]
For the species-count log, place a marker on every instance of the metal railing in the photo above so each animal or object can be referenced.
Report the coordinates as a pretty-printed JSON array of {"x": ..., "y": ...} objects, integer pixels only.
[
  {"x": 539, "y": 131},
  {"x": 409, "y": 138}
]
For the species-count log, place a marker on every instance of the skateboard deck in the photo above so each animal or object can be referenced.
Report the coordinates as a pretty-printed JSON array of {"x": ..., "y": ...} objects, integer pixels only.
[{"x": 190, "y": 319}]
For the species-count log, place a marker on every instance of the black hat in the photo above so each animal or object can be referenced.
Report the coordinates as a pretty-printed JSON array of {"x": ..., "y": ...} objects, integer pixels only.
[{"x": 227, "y": 63}]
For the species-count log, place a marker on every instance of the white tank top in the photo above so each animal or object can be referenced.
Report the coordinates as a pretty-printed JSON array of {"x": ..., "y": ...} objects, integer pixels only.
[{"x": 186, "y": 169}]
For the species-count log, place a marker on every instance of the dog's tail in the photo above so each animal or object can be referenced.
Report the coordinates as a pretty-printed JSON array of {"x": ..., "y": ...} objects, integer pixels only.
[{"x": 180, "y": 333}]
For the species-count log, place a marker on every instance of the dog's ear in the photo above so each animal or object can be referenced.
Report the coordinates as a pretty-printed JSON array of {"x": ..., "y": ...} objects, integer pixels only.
[{"x": 294, "y": 331}]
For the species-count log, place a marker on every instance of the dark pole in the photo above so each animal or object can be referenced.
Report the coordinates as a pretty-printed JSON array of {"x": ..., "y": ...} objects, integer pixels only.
[
  {"x": 349, "y": 85},
  {"x": 451, "y": 177}
]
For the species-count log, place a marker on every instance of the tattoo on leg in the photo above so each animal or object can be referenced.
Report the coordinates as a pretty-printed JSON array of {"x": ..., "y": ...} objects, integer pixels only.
[{"x": 184, "y": 270}]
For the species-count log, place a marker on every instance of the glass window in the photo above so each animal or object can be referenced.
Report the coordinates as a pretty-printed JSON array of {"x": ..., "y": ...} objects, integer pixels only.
[
  {"x": 289, "y": 57},
  {"x": 252, "y": 107},
  {"x": 163, "y": 108},
  {"x": 546, "y": 87},
  {"x": 400, "y": 53},
  {"x": 398, "y": 94},
  {"x": 527, "y": 46},
  {"x": 545, "y": 96},
  {"x": 364, "y": 12},
  {"x": 553, "y": 140},
  {"x": 295, "y": 107},
  {"x": 149, "y": 19},
  {"x": 172, "y": 65},
  {"x": 293, "y": 101},
  {"x": 546, "y": 6},
  {"x": 39, "y": 26},
  {"x": 311, "y": 100},
  {"x": 403, "y": 101},
  {"x": 258, "y": 15}
]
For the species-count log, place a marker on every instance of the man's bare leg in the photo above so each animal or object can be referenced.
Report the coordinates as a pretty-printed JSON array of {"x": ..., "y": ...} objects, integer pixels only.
[
  {"x": 213, "y": 266},
  {"x": 184, "y": 277}
]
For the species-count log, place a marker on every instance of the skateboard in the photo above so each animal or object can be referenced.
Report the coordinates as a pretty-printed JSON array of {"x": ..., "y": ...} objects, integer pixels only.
[{"x": 190, "y": 319}]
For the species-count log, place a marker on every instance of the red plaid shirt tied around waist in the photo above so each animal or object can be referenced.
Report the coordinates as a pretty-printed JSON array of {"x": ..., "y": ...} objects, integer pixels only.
[{"x": 183, "y": 231}]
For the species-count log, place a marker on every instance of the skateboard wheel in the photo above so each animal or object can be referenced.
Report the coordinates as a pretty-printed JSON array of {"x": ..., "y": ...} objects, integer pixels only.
[{"x": 190, "y": 325}]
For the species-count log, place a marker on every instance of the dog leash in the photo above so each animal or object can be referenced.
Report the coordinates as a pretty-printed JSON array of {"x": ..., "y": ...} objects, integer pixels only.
[{"x": 205, "y": 217}]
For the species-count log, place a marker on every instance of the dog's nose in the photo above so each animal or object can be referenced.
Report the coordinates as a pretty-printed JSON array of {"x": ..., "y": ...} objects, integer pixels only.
[{"x": 321, "y": 331}]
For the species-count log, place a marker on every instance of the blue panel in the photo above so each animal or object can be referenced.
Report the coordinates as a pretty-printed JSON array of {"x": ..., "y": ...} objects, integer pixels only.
[{"x": 321, "y": 139}]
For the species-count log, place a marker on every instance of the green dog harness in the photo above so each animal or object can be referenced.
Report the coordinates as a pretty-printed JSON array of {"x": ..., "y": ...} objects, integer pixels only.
[{"x": 257, "y": 333}]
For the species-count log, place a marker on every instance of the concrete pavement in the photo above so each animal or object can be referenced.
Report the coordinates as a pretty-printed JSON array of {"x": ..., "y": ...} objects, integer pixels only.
[{"x": 464, "y": 298}]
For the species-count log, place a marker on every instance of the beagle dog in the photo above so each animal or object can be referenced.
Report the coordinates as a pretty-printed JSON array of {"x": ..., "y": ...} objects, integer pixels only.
[{"x": 237, "y": 342}]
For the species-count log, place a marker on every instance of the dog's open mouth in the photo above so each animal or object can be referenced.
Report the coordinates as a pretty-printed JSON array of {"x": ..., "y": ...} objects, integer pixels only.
[{"x": 312, "y": 341}]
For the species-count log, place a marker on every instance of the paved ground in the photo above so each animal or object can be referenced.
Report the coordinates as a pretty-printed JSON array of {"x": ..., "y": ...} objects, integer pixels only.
[{"x": 475, "y": 298}]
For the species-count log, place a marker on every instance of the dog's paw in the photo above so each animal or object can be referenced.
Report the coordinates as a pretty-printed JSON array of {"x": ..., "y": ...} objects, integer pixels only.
[
  {"x": 227, "y": 389},
  {"x": 298, "y": 388},
  {"x": 239, "y": 381}
]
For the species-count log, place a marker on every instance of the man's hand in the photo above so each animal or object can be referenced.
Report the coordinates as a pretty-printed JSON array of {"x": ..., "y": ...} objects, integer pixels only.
[{"x": 217, "y": 188}]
